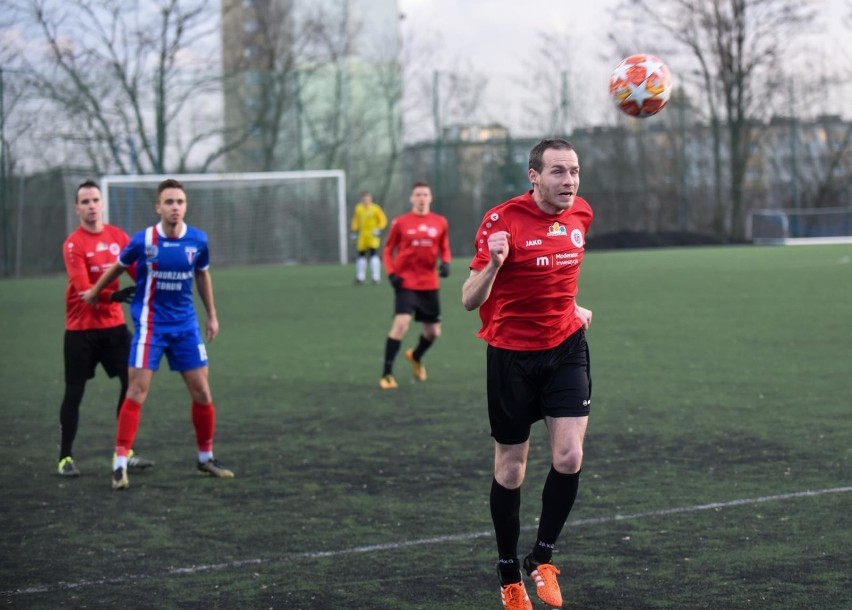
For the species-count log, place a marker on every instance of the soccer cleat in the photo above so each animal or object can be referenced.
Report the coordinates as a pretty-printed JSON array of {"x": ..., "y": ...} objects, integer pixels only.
[
  {"x": 546, "y": 587},
  {"x": 66, "y": 468},
  {"x": 416, "y": 366},
  {"x": 514, "y": 597},
  {"x": 388, "y": 382},
  {"x": 119, "y": 479},
  {"x": 134, "y": 462},
  {"x": 213, "y": 468}
]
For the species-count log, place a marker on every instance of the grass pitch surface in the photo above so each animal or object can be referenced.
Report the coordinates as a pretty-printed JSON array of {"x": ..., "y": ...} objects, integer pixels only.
[{"x": 717, "y": 470}]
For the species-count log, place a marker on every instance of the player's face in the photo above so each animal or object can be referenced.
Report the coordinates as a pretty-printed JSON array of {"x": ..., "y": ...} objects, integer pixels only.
[
  {"x": 171, "y": 206},
  {"x": 366, "y": 198},
  {"x": 89, "y": 206},
  {"x": 421, "y": 200},
  {"x": 556, "y": 186}
]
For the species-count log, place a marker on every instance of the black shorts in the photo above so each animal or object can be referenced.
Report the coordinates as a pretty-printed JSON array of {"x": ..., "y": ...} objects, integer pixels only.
[
  {"x": 367, "y": 253},
  {"x": 425, "y": 305},
  {"x": 84, "y": 349},
  {"x": 524, "y": 387}
]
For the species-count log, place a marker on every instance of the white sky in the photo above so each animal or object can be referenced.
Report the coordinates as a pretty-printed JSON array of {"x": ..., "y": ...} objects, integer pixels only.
[{"x": 500, "y": 37}]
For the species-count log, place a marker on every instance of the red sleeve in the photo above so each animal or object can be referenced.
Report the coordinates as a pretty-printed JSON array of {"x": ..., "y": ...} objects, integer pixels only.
[
  {"x": 75, "y": 265},
  {"x": 446, "y": 255},
  {"x": 391, "y": 244},
  {"x": 492, "y": 222}
]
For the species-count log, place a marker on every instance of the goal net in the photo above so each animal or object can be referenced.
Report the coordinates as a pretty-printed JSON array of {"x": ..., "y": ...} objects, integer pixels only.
[
  {"x": 800, "y": 227},
  {"x": 250, "y": 218}
]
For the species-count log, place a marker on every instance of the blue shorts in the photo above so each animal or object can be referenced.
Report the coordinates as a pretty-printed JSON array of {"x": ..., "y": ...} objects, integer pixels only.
[{"x": 185, "y": 350}]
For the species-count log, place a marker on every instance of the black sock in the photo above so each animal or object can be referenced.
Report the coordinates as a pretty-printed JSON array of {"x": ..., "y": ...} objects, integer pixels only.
[
  {"x": 69, "y": 416},
  {"x": 505, "y": 513},
  {"x": 422, "y": 345},
  {"x": 122, "y": 378},
  {"x": 557, "y": 499},
  {"x": 391, "y": 350}
]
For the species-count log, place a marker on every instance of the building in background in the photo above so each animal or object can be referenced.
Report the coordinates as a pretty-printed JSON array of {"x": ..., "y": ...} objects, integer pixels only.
[{"x": 312, "y": 85}]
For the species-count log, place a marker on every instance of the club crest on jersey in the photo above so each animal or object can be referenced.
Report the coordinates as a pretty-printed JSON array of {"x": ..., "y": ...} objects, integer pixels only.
[
  {"x": 577, "y": 238},
  {"x": 556, "y": 230},
  {"x": 114, "y": 249},
  {"x": 191, "y": 251},
  {"x": 151, "y": 252}
]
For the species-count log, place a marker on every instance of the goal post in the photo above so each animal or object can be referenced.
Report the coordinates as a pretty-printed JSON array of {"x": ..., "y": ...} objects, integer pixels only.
[
  {"x": 251, "y": 217},
  {"x": 801, "y": 226}
]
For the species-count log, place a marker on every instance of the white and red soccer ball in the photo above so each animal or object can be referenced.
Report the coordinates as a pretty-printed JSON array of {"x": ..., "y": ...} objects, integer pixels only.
[{"x": 641, "y": 85}]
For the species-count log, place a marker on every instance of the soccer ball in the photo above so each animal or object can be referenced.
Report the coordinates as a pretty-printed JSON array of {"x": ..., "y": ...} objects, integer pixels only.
[{"x": 641, "y": 85}]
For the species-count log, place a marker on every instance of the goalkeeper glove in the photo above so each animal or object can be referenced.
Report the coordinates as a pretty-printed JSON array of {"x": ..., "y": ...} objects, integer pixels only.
[
  {"x": 444, "y": 270},
  {"x": 124, "y": 295},
  {"x": 353, "y": 236},
  {"x": 395, "y": 281}
]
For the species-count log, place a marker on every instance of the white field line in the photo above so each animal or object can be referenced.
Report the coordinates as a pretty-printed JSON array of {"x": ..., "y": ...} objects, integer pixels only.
[{"x": 389, "y": 546}]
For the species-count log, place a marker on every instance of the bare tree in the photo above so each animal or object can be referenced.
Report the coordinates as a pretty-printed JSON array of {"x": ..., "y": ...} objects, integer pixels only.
[
  {"x": 737, "y": 47},
  {"x": 552, "y": 105},
  {"x": 310, "y": 93},
  {"x": 261, "y": 85},
  {"x": 125, "y": 75}
]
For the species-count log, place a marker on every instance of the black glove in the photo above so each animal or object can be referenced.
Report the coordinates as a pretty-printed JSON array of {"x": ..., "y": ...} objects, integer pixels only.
[
  {"x": 444, "y": 270},
  {"x": 395, "y": 281},
  {"x": 124, "y": 295}
]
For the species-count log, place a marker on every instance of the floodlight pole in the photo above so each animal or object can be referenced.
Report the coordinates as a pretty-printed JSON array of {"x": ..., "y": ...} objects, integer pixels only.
[
  {"x": 436, "y": 116},
  {"x": 3, "y": 190},
  {"x": 794, "y": 136},
  {"x": 681, "y": 128}
]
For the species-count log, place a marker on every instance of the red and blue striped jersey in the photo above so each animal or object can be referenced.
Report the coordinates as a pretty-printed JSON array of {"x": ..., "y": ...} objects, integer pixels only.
[{"x": 166, "y": 267}]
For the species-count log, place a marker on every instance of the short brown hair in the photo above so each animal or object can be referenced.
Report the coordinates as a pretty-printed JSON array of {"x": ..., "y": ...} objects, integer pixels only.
[
  {"x": 88, "y": 184},
  {"x": 168, "y": 183},
  {"x": 537, "y": 152},
  {"x": 420, "y": 183}
]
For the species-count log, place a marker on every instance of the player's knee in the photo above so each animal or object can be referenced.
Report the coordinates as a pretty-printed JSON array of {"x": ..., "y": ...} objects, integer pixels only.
[
  {"x": 569, "y": 461},
  {"x": 510, "y": 473},
  {"x": 400, "y": 328},
  {"x": 137, "y": 392},
  {"x": 74, "y": 392}
]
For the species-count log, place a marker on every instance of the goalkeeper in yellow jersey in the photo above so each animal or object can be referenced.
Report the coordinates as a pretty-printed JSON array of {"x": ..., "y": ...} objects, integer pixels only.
[{"x": 368, "y": 221}]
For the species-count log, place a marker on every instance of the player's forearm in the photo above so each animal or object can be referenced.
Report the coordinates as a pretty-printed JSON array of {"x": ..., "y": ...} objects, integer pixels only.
[
  {"x": 205, "y": 292},
  {"x": 107, "y": 278},
  {"x": 477, "y": 287}
]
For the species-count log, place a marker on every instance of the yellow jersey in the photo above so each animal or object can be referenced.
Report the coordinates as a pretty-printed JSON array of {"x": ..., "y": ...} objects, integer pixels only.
[{"x": 368, "y": 220}]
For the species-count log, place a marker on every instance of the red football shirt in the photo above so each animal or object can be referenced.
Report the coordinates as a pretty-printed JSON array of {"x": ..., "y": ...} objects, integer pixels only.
[
  {"x": 531, "y": 305},
  {"x": 413, "y": 247},
  {"x": 87, "y": 256}
]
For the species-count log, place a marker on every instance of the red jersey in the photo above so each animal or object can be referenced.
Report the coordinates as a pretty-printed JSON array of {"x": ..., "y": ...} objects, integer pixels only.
[
  {"x": 87, "y": 256},
  {"x": 414, "y": 245},
  {"x": 531, "y": 305}
]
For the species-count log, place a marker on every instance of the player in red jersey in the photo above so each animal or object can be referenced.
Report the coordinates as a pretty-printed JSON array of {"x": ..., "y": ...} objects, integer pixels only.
[
  {"x": 92, "y": 334},
  {"x": 416, "y": 252},
  {"x": 523, "y": 279}
]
